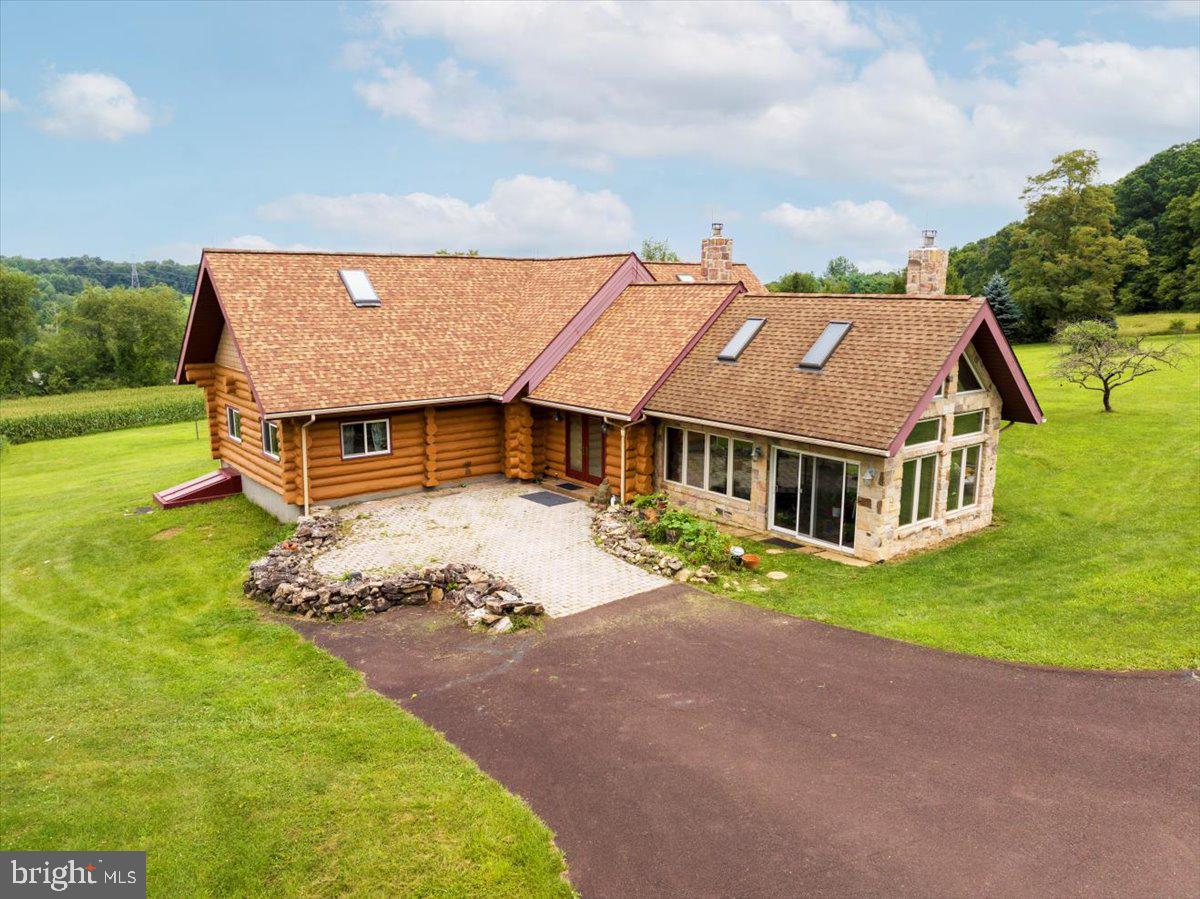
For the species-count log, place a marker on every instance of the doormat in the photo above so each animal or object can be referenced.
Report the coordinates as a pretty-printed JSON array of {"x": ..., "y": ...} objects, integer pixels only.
[
  {"x": 568, "y": 486},
  {"x": 546, "y": 498},
  {"x": 779, "y": 541}
]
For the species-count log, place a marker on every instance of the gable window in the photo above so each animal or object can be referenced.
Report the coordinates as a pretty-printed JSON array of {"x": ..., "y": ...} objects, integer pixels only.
[
  {"x": 358, "y": 285},
  {"x": 928, "y": 430},
  {"x": 917, "y": 482},
  {"x": 739, "y": 341},
  {"x": 366, "y": 438},
  {"x": 968, "y": 379},
  {"x": 824, "y": 346},
  {"x": 964, "y": 477},
  {"x": 270, "y": 439},
  {"x": 968, "y": 423},
  {"x": 233, "y": 423},
  {"x": 710, "y": 462}
]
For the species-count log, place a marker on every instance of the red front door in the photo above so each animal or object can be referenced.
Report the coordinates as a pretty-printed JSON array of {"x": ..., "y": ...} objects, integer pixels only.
[{"x": 585, "y": 448}]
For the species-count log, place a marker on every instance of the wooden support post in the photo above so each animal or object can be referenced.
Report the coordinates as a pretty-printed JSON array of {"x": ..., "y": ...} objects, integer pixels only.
[{"x": 431, "y": 478}]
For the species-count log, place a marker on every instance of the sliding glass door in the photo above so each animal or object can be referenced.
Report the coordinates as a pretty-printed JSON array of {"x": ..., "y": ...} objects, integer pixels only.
[{"x": 814, "y": 496}]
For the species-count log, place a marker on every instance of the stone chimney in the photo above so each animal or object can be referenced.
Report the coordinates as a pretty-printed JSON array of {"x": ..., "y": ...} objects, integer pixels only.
[
  {"x": 927, "y": 268},
  {"x": 716, "y": 256}
]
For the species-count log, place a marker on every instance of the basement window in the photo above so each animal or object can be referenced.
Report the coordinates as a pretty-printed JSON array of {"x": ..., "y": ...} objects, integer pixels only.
[
  {"x": 270, "y": 440},
  {"x": 824, "y": 346},
  {"x": 233, "y": 423},
  {"x": 366, "y": 438},
  {"x": 686, "y": 279},
  {"x": 739, "y": 341},
  {"x": 358, "y": 285}
]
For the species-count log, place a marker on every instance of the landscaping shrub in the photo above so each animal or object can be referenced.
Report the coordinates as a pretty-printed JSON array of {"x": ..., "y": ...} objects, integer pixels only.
[
  {"x": 76, "y": 414},
  {"x": 697, "y": 542}
]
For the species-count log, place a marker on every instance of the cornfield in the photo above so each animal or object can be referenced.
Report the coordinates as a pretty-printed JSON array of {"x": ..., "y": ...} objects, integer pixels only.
[{"x": 74, "y": 414}]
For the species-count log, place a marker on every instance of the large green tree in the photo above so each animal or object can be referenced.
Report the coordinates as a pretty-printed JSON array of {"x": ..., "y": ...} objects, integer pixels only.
[
  {"x": 18, "y": 328},
  {"x": 115, "y": 337},
  {"x": 1067, "y": 262},
  {"x": 658, "y": 251},
  {"x": 972, "y": 265}
]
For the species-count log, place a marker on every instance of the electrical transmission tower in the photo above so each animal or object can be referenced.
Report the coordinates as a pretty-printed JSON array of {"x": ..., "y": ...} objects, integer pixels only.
[{"x": 133, "y": 276}]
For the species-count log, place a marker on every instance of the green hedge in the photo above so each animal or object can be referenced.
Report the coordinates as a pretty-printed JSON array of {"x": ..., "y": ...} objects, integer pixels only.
[{"x": 72, "y": 415}]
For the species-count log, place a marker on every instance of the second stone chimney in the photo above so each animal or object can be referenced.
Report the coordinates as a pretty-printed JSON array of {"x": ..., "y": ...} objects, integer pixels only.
[
  {"x": 716, "y": 256},
  {"x": 927, "y": 268}
]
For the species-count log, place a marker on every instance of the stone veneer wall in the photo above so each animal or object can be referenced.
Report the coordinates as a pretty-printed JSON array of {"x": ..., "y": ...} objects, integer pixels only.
[{"x": 878, "y": 535}]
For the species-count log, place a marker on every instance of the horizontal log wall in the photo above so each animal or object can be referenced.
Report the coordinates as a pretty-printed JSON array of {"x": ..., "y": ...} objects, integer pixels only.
[
  {"x": 224, "y": 387},
  {"x": 470, "y": 441},
  {"x": 332, "y": 477}
]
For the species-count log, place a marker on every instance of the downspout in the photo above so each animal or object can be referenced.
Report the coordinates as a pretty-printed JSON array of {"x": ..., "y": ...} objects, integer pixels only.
[
  {"x": 304, "y": 457},
  {"x": 622, "y": 429}
]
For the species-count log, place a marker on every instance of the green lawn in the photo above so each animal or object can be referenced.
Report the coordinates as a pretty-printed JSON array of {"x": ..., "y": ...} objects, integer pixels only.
[
  {"x": 1094, "y": 557},
  {"x": 146, "y": 705},
  {"x": 1156, "y": 322}
]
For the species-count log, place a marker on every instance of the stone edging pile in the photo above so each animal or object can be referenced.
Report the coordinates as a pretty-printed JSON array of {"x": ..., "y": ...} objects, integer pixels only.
[
  {"x": 616, "y": 531},
  {"x": 285, "y": 578}
]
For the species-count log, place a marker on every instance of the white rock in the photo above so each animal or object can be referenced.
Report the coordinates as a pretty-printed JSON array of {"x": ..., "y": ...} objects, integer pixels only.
[{"x": 503, "y": 626}]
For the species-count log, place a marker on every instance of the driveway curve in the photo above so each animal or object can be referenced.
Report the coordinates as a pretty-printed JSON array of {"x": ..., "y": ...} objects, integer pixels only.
[{"x": 681, "y": 744}]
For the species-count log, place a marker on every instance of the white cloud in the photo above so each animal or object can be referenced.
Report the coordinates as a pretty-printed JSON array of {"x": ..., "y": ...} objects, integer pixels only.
[
  {"x": 871, "y": 266},
  {"x": 873, "y": 224},
  {"x": 521, "y": 214},
  {"x": 93, "y": 106},
  {"x": 8, "y": 102},
  {"x": 189, "y": 251},
  {"x": 1173, "y": 9},
  {"x": 813, "y": 89}
]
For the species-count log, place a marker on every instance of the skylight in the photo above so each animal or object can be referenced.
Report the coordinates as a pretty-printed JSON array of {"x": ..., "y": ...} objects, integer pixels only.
[
  {"x": 820, "y": 352},
  {"x": 686, "y": 278},
  {"x": 358, "y": 285},
  {"x": 739, "y": 341}
]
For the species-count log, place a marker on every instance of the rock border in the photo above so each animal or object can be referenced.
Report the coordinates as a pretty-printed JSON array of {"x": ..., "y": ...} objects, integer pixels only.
[
  {"x": 615, "y": 530},
  {"x": 286, "y": 579}
]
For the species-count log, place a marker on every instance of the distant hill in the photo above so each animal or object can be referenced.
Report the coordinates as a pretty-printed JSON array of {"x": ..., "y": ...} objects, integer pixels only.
[
  {"x": 70, "y": 273},
  {"x": 1158, "y": 201}
]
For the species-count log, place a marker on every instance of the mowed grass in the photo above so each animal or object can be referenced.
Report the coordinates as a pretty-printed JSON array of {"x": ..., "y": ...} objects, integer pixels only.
[
  {"x": 147, "y": 705},
  {"x": 1156, "y": 322},
  {"x": 1094, "y": 557}
]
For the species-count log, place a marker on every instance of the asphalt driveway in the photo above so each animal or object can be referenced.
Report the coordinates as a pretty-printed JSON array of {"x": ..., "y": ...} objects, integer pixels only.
[{"x": 681, "y": 744}]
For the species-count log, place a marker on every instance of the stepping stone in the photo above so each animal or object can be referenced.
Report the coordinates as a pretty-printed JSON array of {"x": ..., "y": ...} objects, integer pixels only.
[
  {"x": 777, "y": 575},
  {"x": 776, "y": 552}
]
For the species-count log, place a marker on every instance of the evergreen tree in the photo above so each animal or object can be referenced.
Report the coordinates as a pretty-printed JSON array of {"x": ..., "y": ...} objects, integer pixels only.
[{"x": 1005, "y": 308}]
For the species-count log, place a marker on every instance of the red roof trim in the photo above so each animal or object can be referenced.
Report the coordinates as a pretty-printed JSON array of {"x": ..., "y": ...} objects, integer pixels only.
[
  {"x": 537, "y": 370},
  {"x": 737, "y": 291},
  {"x": 1023, "y": 401}
]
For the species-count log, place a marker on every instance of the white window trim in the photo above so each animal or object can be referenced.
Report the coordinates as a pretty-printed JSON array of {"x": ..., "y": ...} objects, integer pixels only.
[
  {"x": 934, "y": 442},
  {"x": 363, "y": 424},
  {"x": 230, "y": 412},
  {"x": 918, "y": 523},
  {"x": 969, "y": 434},
  {"x": 982, "y": 386},
  {"x": 683, "y": 467},
  {"x": 266, "y": 429},
  {"x": 965, "y": 507}
]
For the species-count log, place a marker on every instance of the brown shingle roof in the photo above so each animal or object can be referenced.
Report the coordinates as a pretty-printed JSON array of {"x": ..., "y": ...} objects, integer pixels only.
[
  {"x": 863, "y": 395},
  {"x": 623, "y": 355},
  {"x": 669, "y": 271},
  {"x": 448, "y": 326}
]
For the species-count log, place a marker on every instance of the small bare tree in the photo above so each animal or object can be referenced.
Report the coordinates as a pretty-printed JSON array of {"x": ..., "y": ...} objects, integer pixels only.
[{"x": 1093, "y": 355}]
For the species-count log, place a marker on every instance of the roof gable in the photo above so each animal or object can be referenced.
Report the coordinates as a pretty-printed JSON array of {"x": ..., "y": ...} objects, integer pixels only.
[{"x": 670, "y": 272}]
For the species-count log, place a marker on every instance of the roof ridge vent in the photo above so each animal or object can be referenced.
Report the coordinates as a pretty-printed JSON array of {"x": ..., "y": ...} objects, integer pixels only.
[{"x": 358, "y": 286}]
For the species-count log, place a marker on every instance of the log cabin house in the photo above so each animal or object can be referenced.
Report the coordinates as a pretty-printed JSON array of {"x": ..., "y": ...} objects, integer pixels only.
[{"x": 864, "y": 424}]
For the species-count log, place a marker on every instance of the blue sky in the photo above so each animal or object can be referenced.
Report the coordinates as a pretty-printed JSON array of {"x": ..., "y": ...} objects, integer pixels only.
[{"x": 150, "y": 130}]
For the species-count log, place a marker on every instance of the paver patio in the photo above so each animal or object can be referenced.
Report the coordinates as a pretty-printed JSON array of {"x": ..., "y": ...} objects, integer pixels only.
[{"x": 546, "y": 552}]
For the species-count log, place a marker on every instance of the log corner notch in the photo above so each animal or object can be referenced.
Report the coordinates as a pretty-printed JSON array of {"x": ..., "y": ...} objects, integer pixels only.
[
  {"x": 518, "y": 441},
  {"x": 642, "y": 483},
  {"x": 431, "y": 478}
]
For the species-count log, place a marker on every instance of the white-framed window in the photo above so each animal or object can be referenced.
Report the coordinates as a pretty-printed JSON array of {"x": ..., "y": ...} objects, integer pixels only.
[
  {"x": 270, "y": 439},
  {"x": 233, "y": 423},
  {"x": 927, "y": 430},
  {"x": 709, "y": 462},
  {"x": 963, "y": 490},
  {"x": 968, "y": 379},
  {"x": 366, "y": 438},
  {"x": 918, "y": 484},
  {"x": 966, "y": 423}
]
